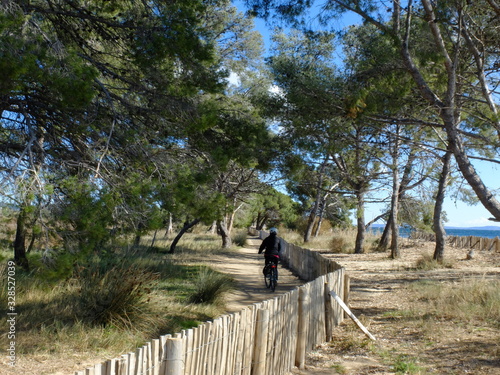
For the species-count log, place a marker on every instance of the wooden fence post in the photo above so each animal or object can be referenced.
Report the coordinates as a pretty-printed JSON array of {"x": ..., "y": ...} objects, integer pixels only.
[
  {"x": 155, "y": 353},
  {"x": 260, "y": 344},
  {"x": 122, "y": 365},
  {"x": 347, "y": 288},
  {"x": 174, "y": 357},
  {"x": 300, "y": 355},
  {"x": 328, "y": 313}
]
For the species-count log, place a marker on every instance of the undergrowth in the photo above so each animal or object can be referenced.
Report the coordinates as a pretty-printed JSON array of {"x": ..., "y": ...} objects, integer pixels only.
[{"x": 114, "y": 301}]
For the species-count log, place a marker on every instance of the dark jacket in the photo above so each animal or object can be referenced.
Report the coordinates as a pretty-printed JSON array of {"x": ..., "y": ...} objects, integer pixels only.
[{"x": 271, "y": 245}]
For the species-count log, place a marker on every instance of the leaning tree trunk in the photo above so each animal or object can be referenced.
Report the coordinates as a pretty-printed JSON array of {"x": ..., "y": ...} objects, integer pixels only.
[
  {"x": 170, "y": 226},
  {"x": 438, "y": 209},
  {"x": 184, "y": 229},
  {"x": 225, "y": 234},
  {"x": 320, "y": 218},
  {"x": 20, "y": 240},
  {"x": 312, "y": 215},
  {"x": 384, "y": 240},
  {"x": 310, "y": 223},
  {"x": 449, "y": 111}
]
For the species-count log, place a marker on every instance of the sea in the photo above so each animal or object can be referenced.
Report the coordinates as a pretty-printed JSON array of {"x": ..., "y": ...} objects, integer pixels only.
[{"x": 485, "y": 232}]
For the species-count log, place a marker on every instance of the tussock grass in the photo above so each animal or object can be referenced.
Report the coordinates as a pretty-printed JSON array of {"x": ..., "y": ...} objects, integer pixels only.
[
  {"x": 427, "y": 263},
  {"x": 240, "y": 237},
  {"x": 113, "y": 295},
  {"x": 468, "y": 300},
  {"x": 210, "y": 287}
]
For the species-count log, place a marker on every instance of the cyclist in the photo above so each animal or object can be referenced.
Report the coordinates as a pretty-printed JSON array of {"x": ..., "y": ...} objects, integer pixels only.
[{"x": 271, "y": 245}]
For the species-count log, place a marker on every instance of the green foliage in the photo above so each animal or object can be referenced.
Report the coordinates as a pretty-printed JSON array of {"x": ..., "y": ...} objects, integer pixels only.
[
  {"x": 210, "y": 287},
  {"x": 90, "y": 212},
  {"x": 57, "y": 265},
  {"x": 407, "y": 365},
  {"x": 271, "y": 208}
]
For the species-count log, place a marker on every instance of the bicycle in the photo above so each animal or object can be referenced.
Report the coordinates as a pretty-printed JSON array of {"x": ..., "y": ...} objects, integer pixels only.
[{"x": 271, "y": 276}]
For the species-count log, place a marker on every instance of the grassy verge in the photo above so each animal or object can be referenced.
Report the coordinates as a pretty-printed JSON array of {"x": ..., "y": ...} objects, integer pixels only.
[
  {"x": 335, "y": 241},
  {"x": 113, "y": 303}
]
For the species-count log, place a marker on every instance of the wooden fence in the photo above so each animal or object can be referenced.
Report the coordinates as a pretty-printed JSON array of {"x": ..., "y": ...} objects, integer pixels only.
[
  {"x": 266, "y": 338},
  {"x": 463, "y": 242}
]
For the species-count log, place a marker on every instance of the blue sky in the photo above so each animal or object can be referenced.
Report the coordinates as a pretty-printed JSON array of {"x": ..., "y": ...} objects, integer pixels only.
[{"x": 459, "y": 213}]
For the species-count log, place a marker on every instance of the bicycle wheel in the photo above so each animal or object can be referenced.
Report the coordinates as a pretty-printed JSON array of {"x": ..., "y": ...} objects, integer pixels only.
[
  {"x": 273, "y": 280},
  {"x": 267, "y": 277}
]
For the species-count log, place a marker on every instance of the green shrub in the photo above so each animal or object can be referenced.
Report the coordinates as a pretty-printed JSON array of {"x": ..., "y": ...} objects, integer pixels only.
[
  {"x": 210, "y": 287},
  {"x": 116, "y": 295},
  {"x": 407, "y": 365}
]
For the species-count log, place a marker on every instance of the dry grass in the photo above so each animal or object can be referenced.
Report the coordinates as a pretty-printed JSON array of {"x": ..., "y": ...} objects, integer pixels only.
[
  {"x": 108, "y": 311},
  {"x": 428, "y": 318},
  {"x": 468, "y": 300},
  {"x": 336, "y": 240}
]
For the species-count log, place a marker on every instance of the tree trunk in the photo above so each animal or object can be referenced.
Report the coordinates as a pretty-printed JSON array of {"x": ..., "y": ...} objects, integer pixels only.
[
  {"x": 384, "y": 239},
  {"x": 231, "y": 218},
  {"x": 312, "y": 215},
  {"x": 225, "y": 234},
  {"x": 468, "y": 171},
  {"x": 261, "y": 221},
  {"x": 170, "y": 226},
  {"x": 395, "y": 198},
  {"x": 403, "y": 186},
  {"x": 184, "y": 229},
  {"x": 438, "y": 209},
  {"x": 213, "y": 227},
  {"x": 450, "y": 112},
  {"x": 153, "y": 240},
  {"x": 310, "y": 224},
  {"x": 360, "y": 214},
  {"x": 20, "y": 240},
  {"x": 320, "y": 218}
]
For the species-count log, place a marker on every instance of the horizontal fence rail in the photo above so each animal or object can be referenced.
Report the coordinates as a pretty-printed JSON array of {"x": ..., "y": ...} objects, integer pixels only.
[
  {"x": 463, "y": 242},
  {"x": 266, "y": 338}
]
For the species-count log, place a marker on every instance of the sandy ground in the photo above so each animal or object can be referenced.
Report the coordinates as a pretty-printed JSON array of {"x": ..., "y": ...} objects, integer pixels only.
[{"x": 380, "y": 296}]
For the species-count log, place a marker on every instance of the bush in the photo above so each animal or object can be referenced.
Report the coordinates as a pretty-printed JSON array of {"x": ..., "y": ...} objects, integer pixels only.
[
  {"x": 210, "y": 287},
  {"x": 427, "y": 263},
  {"x": 339, "y": 244},
  {"x": 240, "y": 238},
  {"x": 113, "y": 296}
]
